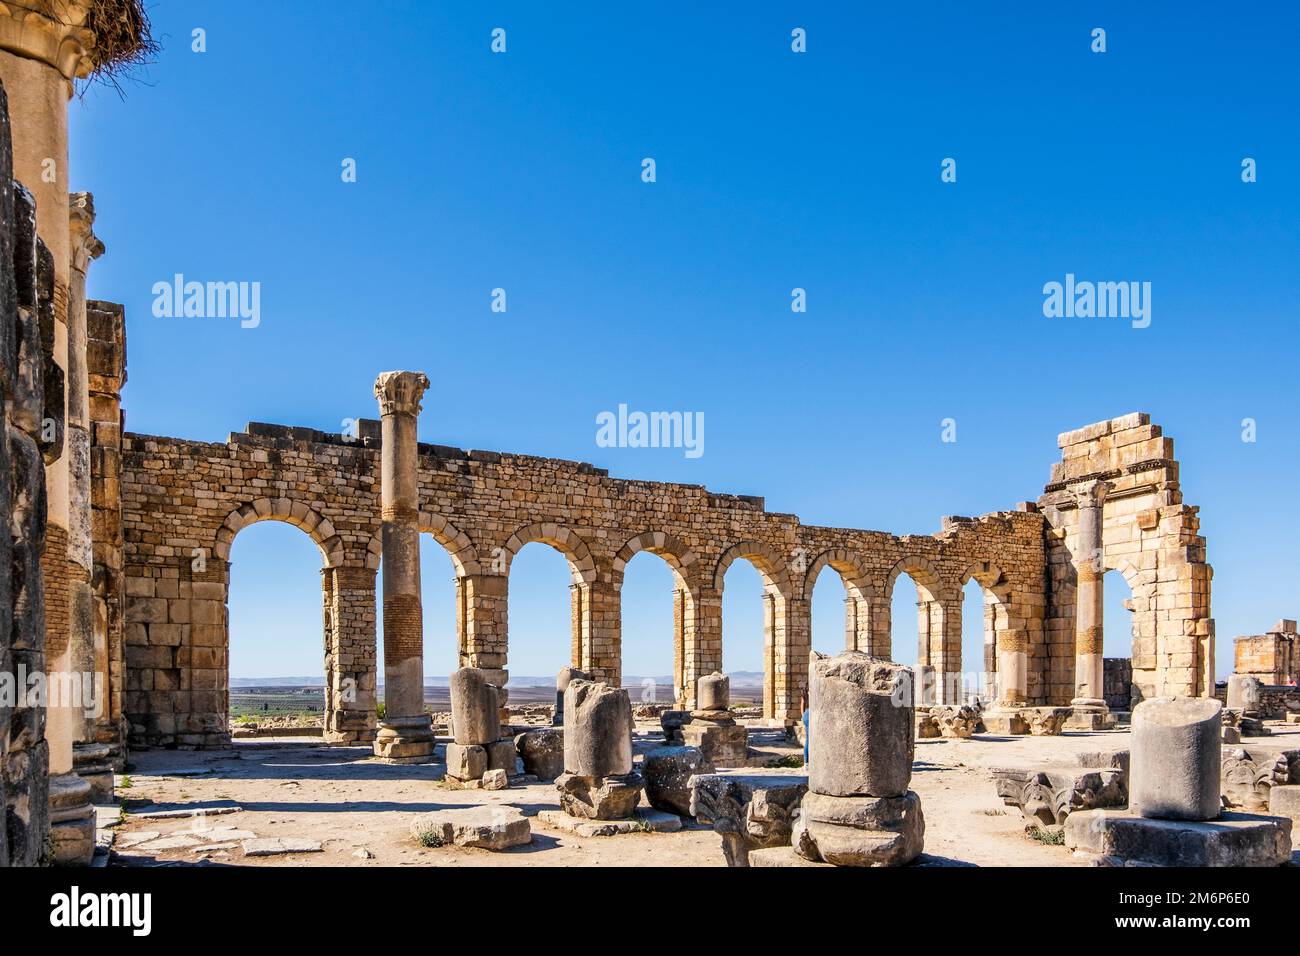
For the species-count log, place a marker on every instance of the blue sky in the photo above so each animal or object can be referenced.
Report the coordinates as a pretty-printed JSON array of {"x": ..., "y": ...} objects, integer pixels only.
[{"x": 775, "y": 170}]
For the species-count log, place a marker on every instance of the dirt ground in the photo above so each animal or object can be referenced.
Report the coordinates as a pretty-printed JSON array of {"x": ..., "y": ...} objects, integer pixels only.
[{"x": 359, "y": 810}]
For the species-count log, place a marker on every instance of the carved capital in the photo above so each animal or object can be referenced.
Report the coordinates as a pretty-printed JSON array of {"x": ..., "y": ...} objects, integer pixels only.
[
  {"x": 86, "y": 246},
  {"x": 53, "y": 32},
  {"x": 400, "y": 392},
  {"x": 1090, "y": 494}
]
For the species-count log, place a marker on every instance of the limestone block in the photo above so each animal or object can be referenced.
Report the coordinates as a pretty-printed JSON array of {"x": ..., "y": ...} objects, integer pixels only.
[
  {"x": 672, "y": 722},
  {"x": 566, "y": 676},
  {"x": 475, "y": 709},
  {"x": 487, "y": 828},
  {"x": 542, "y": 752},
  {"x": 466, "y": 762},
  {"x": 1176, "y": 758},
  {"x": 502, "y": 755},
  {"x": 667, "y": 776},
  {"x": 863, "y": 831},
  {"x": 1284, "y": 801},
  {"x": 613, "y": 797},
  {"x": 1244, "y": 694},
  {"x": 721, "y": 745},
  {"x": 495, "y": 780},
  {"x": 1233, "y": 839},
  {"x": 861, "y": 720},
  {"x": 598, "y": 730}
]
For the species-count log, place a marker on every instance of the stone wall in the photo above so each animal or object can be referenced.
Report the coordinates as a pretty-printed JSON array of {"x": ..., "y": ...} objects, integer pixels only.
[
  {"x": 1273, "y": 657},
  {"x": 1117, "y": 682},
  {"x": 1151, "y": 537},
  {"x": 24, "y": 752},
  {"x": 183, "y": 503}
]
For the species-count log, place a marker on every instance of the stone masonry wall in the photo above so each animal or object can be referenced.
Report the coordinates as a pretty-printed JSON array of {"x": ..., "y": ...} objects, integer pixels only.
[{"x": 1273, "y": 657}]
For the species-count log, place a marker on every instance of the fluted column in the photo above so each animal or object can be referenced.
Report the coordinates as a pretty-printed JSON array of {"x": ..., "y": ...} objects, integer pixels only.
[
  {"x": 405, "y": 734},
  {"x": 1089, "y": 705}
]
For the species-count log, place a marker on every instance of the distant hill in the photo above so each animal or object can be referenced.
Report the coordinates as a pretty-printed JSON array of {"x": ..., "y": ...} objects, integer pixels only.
[{"x": 737, "y": 677}]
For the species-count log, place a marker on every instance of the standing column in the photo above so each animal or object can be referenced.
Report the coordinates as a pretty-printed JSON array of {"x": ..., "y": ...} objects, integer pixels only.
[
  {"x": 91, "y": 759},
  {"x": 1090, "y": 711},
  {"x": 405, "y": 734}
]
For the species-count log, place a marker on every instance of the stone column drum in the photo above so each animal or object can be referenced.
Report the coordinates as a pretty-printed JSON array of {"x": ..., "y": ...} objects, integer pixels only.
[
  {"x": 1090, "y": 710},
  {"x": 598, "y": 782},
  {"x": 405, "y": 734},
  {"x": 477, "y": 747},
  {"x": 712, "y": 730},
  {"x": 858, "y": 810},
  {"x": 562, "y": 680},
  {"x": 1176, "y": 758}
]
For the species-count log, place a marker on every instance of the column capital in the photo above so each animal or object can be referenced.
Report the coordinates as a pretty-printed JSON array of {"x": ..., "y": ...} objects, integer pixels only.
[
  {"x": 53, "y": 32},
  {"x": 1090, "y": 494},
  {"x": 86, "y": 246},
  {"x": 400, "y": 392}
]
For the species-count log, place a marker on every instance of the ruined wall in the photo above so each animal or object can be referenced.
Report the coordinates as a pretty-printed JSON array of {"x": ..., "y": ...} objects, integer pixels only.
[
  {"x": 1272, "y": 657},
  {"x": 1151, "y": 537},
  {"x": 1117, "y": 683},
  {"x": 24, "y": 752},
  {"x": 184, "y": 502}
]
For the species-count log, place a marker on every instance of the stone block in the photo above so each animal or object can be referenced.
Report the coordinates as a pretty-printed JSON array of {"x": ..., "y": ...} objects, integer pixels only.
[
  {"x": 862, "y": 831},
  {"x": 721, "y": 746},
  {"x": 502, "y": 755},
  {"x": 1047, "y": 797},
  {"x": 748, "y": 810},
  {"x": 598, "y": 730},
  {"x": 485, "y": 828},
  {"x": 667, "y": 775},
  {"x": 643, "y": 821},
  {"x": 466, "y": 762},
  {"x": 600, "y": 798},
  {"x": 475, "y": 708},
  {"x": 672, "y": 722},
  {"x": 495, "y": 780},
  {"x": 1233, "y": 839},
  {"x": 542, "y": 752},
  {"x": 1284, "y": 801},
  {"x": 713, "y": 692}
]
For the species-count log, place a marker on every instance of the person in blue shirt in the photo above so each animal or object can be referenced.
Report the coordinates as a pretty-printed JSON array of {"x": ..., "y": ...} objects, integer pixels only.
[{"x": 803, "y": 705}]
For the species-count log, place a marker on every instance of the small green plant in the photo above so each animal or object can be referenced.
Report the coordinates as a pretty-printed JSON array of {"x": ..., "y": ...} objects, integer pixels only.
[
  {"x": 789, "y": 760},
  {"x": 126, "y": 783},
  {"x": 380, "y": 710},
  {"x": 429, "y": 836},
  {"x": 640, "y": 826},
  {"x": 1051, "y": 837}
]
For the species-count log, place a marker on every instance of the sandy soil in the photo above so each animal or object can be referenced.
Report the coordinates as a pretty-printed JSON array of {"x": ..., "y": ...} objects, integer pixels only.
[{"x": 359, "y": 810}]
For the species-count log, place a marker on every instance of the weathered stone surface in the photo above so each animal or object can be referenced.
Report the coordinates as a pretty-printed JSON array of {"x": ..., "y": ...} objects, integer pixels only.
[
  {"x": 1176, "y": 755},
  {"x": 475, "y": 707},
  {"x": 612, "y": 797},
  {"x": 495, "y": 780},
  {"x": 779, "y": 856},
  {"x": 955, "y": 721},
  {"x": 748, "y": 810},
  {"x": 672, "y": 722},
  {"x": 1047, "y": 797},
  {"x": 863, "y": 831},
  {"x": 722, "y": 745},
  {"x": 1007, "y": 723},
  {"x": 1045, "y": 721},
  {"x": 643, "y": 821},
  {"x": 1247, "y": 776},
  {"x": 1233, "y": 839},
  {"x": 1244, "y": 694},
  {"x": 1284, "y": 801},
  {"x": 466, "y": 761},
  {"x": 280, "y": 846},
  {"x": 861, "y": 717},
  {"x": 566, "y": 676},
  {"x": 485, "y": 828},
  {"x": 502, "y": 755},
  {"x": 598, "y": 730},
  {"x": 542, "y": 752},
  {"x": 667, "y": 776},
  {"x": 713, "y": 692}
]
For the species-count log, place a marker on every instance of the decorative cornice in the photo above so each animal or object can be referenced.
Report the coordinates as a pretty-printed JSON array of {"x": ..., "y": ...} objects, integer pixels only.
[
  {"x": 400, "y": 392},
  {"x": 52, "y": 32},
  {"x": 86, "y": 246}
]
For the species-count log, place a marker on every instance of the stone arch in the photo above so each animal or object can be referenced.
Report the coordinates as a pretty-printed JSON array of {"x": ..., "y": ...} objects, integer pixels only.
[
  {"x": 938, "y": 626},
  {"x": 771, "y": 565},
  {"x": 862, "y": 601},
  {"x": 568, "y": 542},
  {"x": 684, "y": 564},
  {"x": 319, "y": 529},
  {"x": 1002, "y": 629}
]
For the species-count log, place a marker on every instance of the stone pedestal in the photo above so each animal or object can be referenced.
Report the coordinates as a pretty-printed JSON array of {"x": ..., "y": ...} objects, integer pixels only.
[
  {"x": 1233, "y": 839},
  {"x": 1089, "y": 720},
  {"x": 405, "y": 735},
  {"x": 93, "y": 763},
  {"x": 1005, "y": 723},
  {"x": 858, "y": 810},
  {"x": 722, "y": 741},
  {"x": 72, "y": 821},
  {"x": 598, "y": 782},
  {"x": 1176, "y": 758}
]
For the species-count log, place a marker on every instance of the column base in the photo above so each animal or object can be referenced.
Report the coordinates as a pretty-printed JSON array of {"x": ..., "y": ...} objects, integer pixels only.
[
  {"x": 72, "y": 821},
  {"x": 405, "y": 740},
  {"x": 1005, "y": 721},
  {"x": 1089, "y": 714},
  {"x": 93, "y": 763}
]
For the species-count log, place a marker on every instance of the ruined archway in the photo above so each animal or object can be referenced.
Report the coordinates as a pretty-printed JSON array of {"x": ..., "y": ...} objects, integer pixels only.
[
  {"x": 682, "y": 564},
  {"x": 785, "y": 638}
]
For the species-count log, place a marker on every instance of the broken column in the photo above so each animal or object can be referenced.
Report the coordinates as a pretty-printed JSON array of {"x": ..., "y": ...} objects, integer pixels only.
[
  {"x": 405, "y": 734},
  {"x": 598, "y": 782},
  {"x": 562, "y": 680},
  {"x": 1089, "y": 705},
  {"x": 1174, "y": 816},
  {"x": 712, "y": 729},
  {"x": 858, "y": 810},
  {"x": 1244, "y": 693},
  {"x": 477, "y": 756}
]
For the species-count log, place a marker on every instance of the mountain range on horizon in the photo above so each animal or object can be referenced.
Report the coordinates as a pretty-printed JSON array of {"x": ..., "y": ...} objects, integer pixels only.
[{"x": 738, "y": 677}]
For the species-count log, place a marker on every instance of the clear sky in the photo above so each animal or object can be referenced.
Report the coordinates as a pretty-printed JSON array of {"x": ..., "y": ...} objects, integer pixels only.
[{"x": 775, "y": 170}]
